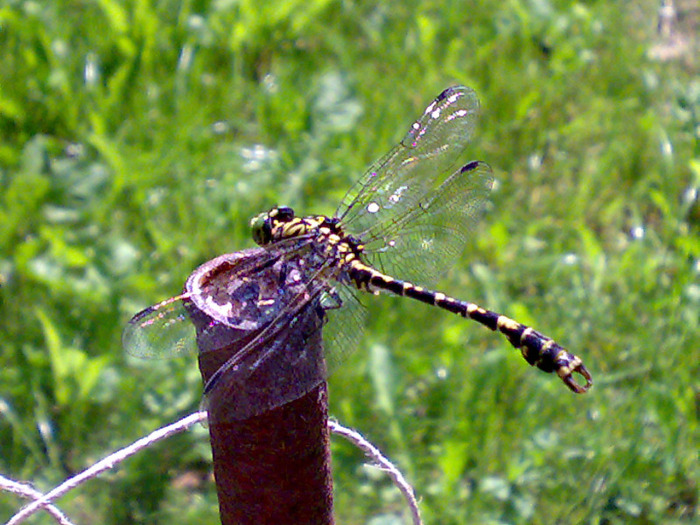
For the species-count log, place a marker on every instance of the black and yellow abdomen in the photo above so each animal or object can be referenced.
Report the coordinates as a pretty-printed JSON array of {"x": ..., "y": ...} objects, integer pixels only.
[{"x": 537, "y": 349}]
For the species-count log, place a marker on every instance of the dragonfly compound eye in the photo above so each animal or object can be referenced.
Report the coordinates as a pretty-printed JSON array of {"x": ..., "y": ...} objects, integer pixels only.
[
  {"x": 282, "y": 214},
  {"x": 260, "y": 229}
]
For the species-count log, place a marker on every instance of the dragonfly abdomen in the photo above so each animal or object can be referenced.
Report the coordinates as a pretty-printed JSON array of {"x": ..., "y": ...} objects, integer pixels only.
[{"x": 537, "y": 349}]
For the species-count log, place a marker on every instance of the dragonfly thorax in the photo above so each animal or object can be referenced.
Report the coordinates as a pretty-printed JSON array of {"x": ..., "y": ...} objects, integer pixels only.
[
  {"x": 326, "y": 242},
  {"x": 280, "y": 223}
]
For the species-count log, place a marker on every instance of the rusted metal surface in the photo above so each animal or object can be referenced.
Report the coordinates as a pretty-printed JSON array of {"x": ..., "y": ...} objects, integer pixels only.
[{"x": 272, "y": 466}]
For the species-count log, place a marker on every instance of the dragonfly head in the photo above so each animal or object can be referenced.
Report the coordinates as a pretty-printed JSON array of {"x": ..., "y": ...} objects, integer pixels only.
[{"x": 263, "y": 225}]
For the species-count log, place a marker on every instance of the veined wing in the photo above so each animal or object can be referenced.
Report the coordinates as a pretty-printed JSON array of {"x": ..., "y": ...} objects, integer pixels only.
[
  {"x": 422, "y": 242},
  {"x": 415, "y": 167},
  {"x": 272, "y": 369},
  {"x": 275, "y": 297},
  {"x": 280, "y": 363},
  {"x": 267, "y": 372},
  {"x": 346, "y": 317},
  {"x": 161, "y": 331},
  {"x": 165, "y": 330},
  {"x": 276, "y": 366}
]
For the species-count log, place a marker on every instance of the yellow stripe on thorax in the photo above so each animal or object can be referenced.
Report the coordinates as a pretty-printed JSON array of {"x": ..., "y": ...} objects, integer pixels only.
[{"x": 296, "y": 227}]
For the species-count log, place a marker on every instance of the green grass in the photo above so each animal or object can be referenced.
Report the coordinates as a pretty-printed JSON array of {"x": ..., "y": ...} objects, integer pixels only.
[{"x": 126, "y": 136}]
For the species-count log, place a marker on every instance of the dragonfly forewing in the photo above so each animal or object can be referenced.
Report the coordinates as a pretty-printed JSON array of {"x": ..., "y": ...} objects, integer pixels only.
[
  {"x": 161, "y": 331},
  {"x": 414, "y": 167}
]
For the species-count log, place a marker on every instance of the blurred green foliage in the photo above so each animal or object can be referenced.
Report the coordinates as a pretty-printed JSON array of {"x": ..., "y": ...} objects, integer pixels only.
[{"x": 137, "y": 137}]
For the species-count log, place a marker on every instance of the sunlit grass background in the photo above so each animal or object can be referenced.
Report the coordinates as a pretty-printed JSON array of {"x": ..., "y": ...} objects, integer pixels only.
[{"x": 138, "y": 137}]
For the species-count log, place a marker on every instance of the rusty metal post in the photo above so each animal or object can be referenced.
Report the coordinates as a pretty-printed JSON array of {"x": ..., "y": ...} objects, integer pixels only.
[{"x": 272, "y": 466}]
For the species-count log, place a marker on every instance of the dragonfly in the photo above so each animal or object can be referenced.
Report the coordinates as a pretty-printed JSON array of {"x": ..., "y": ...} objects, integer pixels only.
[{"x": 410, "y": 214}]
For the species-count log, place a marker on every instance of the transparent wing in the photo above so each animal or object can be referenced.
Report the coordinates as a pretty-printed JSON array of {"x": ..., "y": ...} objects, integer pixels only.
[
  {"x": 258, "y": 320},
  {"x": 345, "y": 324},
  {"x": 278, "y": 365},
  {"x": 416, "y": 166},
  {"x": 425, "y": 240},
  {"x": 161, "y": 331},
  {"x": 165, "y": 330}
]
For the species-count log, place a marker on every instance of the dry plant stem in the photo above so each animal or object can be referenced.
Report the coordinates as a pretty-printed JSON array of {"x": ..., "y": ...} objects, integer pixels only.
[
  {"x": 114, "y": 459},
  {"x": 272, "y": 466},
  {"x": 383, "y": 463},
  {"x": 26, "y": 491},
  {"x": 106, "y": 464}
]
